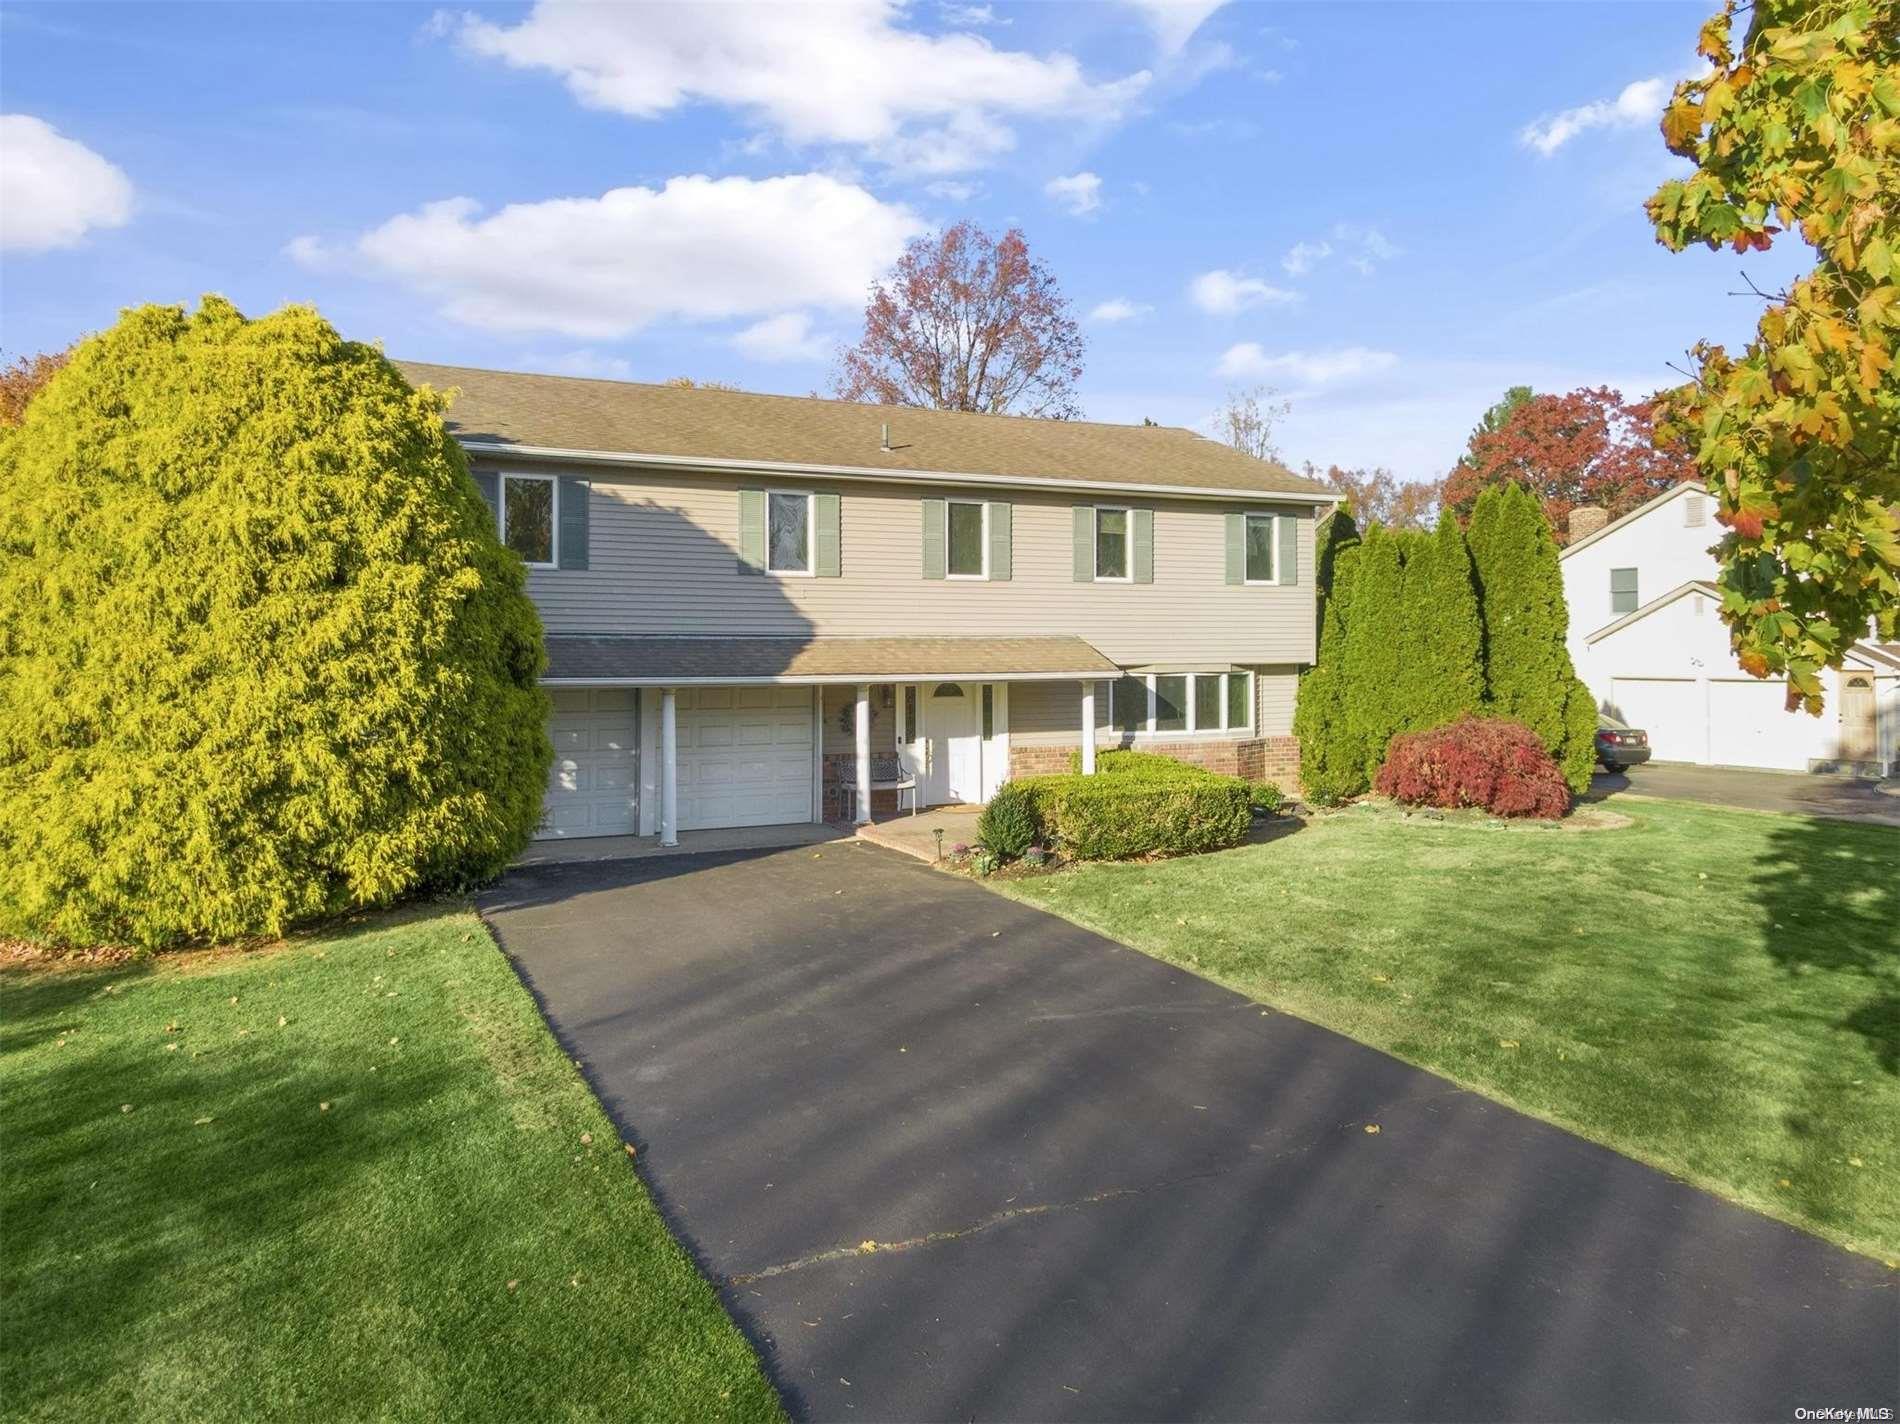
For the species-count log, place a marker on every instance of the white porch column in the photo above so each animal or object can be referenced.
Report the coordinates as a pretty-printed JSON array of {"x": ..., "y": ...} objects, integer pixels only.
[
  {"x": 1088, "y": 729},
  {"x": 669, "y": 767},
  {"x": 864, "y": 754}
]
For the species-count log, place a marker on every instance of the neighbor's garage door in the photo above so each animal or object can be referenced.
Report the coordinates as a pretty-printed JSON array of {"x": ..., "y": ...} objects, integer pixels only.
[
  {"x": 1669, "y": 709},
  {"x": 592, "y": 788},
  {"x": 745, "y": 756},
  {"x": 1747, "y": 726}
]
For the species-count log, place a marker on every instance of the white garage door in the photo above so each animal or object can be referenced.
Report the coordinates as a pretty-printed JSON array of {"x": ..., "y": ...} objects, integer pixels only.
[
  {"x": 745, "y": 756},
  {"x": 592, "y": 786},
  {"x": 1670, "y": 709},
  {"x": 1747, "y": 727}
]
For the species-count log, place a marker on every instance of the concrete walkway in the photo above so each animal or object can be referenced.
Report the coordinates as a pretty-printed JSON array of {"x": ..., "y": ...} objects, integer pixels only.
[
  {"x": 917, "y": 835},
  {"x": 948, "y": 1157}
]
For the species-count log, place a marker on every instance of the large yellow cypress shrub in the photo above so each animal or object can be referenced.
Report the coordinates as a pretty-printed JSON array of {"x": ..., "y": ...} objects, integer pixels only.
[{"x": 261, "y": 656}]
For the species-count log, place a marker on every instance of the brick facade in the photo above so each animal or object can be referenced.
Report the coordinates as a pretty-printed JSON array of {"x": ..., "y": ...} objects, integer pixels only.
[{"x": 1274, "y": 759}]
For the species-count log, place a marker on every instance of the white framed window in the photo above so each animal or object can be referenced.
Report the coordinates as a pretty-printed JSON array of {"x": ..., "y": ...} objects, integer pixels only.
[
  {"x": 1622, "y": 590},
  {"x": 530, "y": 517},
  {"x": 1114, "y": 544},
  {"x": 788, "y": 532},
  {"x": 1262, "y": 548},
  {"x": 967, "y": 538},
  {"x": 1182, "y": 704}
]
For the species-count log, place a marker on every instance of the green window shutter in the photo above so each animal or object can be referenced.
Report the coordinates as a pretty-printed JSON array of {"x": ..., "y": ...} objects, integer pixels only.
[
  {"x": 1082, "y": 521},
  {"x": 999, "y": 539},
  {"x": 936, "y": 538},
  {"x": 1236, "y": 548},
  {"x": 751, "y": 531},
  {"x": 824, "y": 535},
  {"x": 572, "y": 545},
  {"x": 489, "y": 483},
  {"x": 1144, "y": 541},
  {"x": 1286, "y": 562}
]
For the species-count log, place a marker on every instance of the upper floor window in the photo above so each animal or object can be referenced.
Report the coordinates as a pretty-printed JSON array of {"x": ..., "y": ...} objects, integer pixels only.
[
  {"x": 788, "y": 533},
  {"x": 528, "y": 517},
  {"x": 1622, "y": 590},
  {"x": 968, "y": 538},
  {"x": 1111, "y": 544},
  {"x": 1260, "y": 548}
]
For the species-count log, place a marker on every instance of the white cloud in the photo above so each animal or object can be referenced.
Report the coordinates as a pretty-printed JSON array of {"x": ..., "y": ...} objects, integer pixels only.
[
  {"x": 53, "y": 189},
  {"x": 1175, "y": 21},
  {"x": 1079, "y": 194},
  {"x": 953, "y": 190},
  {"x": 698, "y": 249},
  {"x": 1221, "y": 293},
  {"x": 1119, "y": 309},
  {"x": 971, "y": 16},
  {"x": 1639, "y": 103},
  {"x": 1301, "y": 256},
  {"x": 785, "y": 337},
  {"x": 838, "y": 73},
  {"x": 1248, "y": 362}
]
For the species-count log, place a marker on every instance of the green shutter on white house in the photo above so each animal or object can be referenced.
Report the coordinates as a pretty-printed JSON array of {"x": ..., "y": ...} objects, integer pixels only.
[
  {"x": 1236, "y": 548},
  {"x": 936, "y": 538},
  {"x": 1286, "y": 563},
  {"x": 751, "y": 531},
  {"x": 1144, "y": 542},
  {"x": 572, "y": 545},
  {"x": 1082, "y": 522},
  {"x": 489, "y": 483},
  {"x": 825, "y": 543},
  {"x": 999, "y": 539}
]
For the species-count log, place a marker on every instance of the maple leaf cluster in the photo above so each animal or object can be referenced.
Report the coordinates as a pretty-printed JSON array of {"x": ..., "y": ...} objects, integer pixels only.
[{"x": 1798, "y": 434}]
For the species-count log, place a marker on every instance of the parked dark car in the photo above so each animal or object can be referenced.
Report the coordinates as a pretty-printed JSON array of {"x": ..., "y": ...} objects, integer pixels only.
[{"x": 1618, "y": 746}]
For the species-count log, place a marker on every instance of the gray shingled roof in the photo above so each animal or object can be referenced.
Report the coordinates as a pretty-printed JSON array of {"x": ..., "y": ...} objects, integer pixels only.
[
  {"x": 575, "y": 657},
  {"x": 625, "y": 418}
]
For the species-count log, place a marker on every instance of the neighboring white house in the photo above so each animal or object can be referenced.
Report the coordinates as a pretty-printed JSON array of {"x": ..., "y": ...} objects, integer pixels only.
[{"x": 1647, "y": 637}]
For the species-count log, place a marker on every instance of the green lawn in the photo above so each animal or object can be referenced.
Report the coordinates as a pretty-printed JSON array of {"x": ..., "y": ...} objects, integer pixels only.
[
  {"x": 190, "y": 1233},
  {"x": 1715, "y": 992}
]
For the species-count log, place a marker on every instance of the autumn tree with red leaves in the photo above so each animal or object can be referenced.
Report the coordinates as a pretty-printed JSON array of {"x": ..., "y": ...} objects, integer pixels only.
[
  {"x": 967, "y": 321},
  {"x": 1378, "y": 496},
  {"x": 22, "y": 379},
  {"x": 1586, "y": 447}
]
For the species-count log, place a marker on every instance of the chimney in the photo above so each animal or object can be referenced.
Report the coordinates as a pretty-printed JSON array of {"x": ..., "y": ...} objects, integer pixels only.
[
  {"x": 885, "y": 443},
  {"x": 1586, "y": 519}
]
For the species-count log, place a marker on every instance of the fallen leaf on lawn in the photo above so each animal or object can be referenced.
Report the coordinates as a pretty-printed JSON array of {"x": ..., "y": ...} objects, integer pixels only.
[
  {"x": 1380, "y": 979},
  {"x": 1372, "y": 1127},
  {"x": 200, "y": 1122},
  {"x": 394, "y": 1041},
  {"x": 587, "y": 1139},
  {"x": 234, "y": 998},
  {"x": 1855, "y": 1162},
  {"x": 630, "y": 1151},
  {"x": 1784, "y": 1182},
  {"x": 281, "y": 1021},
  {"x": 513, "y": 1284},
  {"x": 323, "y": 1107},
  {"x": 171, "y": 1048},
  {"x": 172, "y": 1027},
  {"x": 1507, "y": 1043},
  {"x": 867, "y": 1247}
]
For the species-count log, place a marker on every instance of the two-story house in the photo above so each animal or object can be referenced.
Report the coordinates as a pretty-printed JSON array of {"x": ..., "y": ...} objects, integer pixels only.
[
  {"x": 1646, "y": 635},
  {"x": 750, "y": 601}
]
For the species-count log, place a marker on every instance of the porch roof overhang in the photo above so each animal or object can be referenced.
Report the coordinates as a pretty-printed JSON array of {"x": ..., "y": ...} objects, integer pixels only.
[
  {"x": 1142, "y": 669},
  {"x": 617, "y": 660}
]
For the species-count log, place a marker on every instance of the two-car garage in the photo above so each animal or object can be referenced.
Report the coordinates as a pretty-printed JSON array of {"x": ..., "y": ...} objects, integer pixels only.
[{"x": 745, "y": 758}]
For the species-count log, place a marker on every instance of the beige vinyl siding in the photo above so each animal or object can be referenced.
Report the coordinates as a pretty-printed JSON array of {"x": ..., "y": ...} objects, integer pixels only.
[
  {"x": 663, "y": 559},
  {"x": 1274, "y": 690}
]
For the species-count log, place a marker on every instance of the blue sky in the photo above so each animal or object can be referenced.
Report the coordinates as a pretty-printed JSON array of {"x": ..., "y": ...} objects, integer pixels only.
[{"x": 1387, "y": 213}]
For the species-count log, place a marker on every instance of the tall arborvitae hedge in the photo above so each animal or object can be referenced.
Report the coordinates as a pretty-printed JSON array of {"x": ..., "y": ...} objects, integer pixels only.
[
  {"x": 1375, "y": 647},
  {"x": 1331, "y": 766},
  {"x": 261, "y": 656},
  {"x": 1442, "y": 678},
  {"x": 1529, "y": 676}
]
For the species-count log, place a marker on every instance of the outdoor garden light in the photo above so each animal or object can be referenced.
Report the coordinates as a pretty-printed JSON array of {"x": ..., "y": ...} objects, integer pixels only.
[{"x": 938, "y": 833}]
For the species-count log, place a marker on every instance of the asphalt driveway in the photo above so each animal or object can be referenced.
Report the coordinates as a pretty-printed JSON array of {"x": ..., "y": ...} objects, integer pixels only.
[
  {"x": 1845, "y": 798},
  {"x": 1096, "y": 1187}
]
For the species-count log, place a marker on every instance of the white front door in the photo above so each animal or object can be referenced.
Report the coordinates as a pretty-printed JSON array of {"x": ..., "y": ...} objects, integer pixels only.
[{"x": 953, "y": 726}]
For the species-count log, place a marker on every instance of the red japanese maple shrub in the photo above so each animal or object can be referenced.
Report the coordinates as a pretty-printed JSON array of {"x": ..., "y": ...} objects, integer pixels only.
[{"x": 1475, "y": 761}]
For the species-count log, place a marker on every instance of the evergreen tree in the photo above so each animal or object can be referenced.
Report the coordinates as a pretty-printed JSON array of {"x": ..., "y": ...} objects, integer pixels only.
[
  {"x": 1528, "y": 674},
  {"x": 263, "y": 657},
  {"x": 1331, "y": 767},
  {"x": 1443, "y": 674},
  {"x": 1375, "y": 647},
  {"x": 1336, "y": 534}
]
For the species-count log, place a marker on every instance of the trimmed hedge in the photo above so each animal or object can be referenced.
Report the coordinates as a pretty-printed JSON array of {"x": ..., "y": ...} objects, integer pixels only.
[
  {"x": 1117, "y": 817},
  {"x": 1151, "y": 766},
  {"x": 1487, "y": 762},
  {"x": 1009, "y": 824}
]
